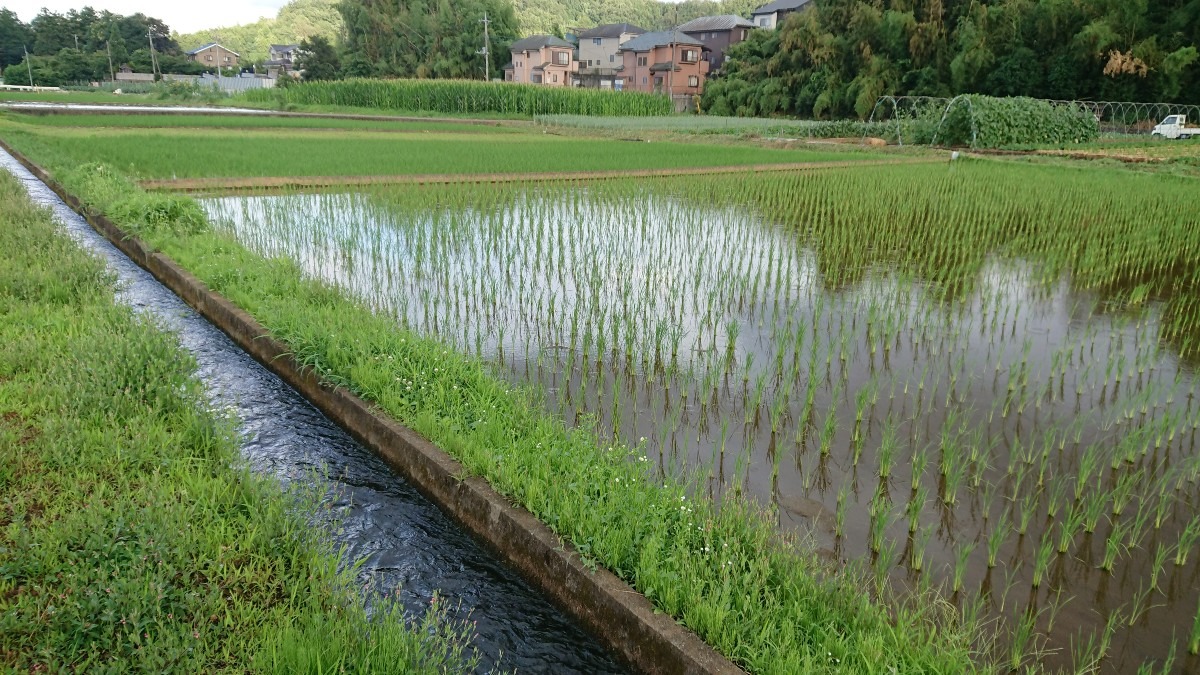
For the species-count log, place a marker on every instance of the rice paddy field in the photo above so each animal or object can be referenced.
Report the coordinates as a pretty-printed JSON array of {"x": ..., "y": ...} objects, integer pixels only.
[
  {"x": 972, "y": 382},
  {"x": 976, "y": 380},
  {"x": 194, "y": 153}
]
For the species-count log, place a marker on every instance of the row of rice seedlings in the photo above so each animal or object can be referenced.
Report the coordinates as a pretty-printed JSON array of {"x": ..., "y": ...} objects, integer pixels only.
[{"x": 939, "y": 330}]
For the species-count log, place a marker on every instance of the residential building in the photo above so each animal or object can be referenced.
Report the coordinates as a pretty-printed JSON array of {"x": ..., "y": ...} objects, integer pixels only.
[
  {"x": 718, "y": 34},
  {"x": 542, "y": 59},
  {"x": 214, "y": 55},
  {"x": 770, "y": 16},
  {"x": 599, "y": 62},
  {"x": 665, "y": 61},
  {"x": 281, "y": 59}
]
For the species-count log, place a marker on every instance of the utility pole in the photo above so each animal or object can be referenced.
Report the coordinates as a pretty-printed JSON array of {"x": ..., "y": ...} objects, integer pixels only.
[
  {"x": 29, "y": 65},
  {"x": 487, "y": 60},
  {"x": 76, "y": 42},
  {"x": 153, "y": 62},
  {"x": 112, "y": 74}
]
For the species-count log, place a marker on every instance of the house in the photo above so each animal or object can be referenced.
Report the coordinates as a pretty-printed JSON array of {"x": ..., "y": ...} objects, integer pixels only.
[
  {"x": 666, "y": 62},
  {"x": 542, "y": 59},
  {"x": 718, "y": 34},
  {"x": 214, "y": 55},
  {"x": 770, "y": 16},
  {"x": 281, "y": 59},
  {"x": 599, "y": 62}
]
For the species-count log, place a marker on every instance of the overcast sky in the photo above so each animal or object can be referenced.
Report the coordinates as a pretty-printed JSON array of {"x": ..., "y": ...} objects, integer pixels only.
[{"x": 181, "y": 15}]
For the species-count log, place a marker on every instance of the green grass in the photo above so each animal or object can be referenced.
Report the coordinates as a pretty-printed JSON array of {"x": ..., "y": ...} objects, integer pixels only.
[
  {"x": 169, "y": 121},
  {"x": 763, "y": 600},
  {"x": 129, "y": 542},
  {"x": 82, "y": 97},
  {"x": 184, "y": 153}
]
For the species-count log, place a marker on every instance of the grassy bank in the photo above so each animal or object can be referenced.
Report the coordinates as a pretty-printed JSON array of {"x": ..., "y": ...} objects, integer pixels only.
[
  {"x": 190, "y": 153},
  {"x": 128, "y": 542},
  {"x": 764, "y": 601}
]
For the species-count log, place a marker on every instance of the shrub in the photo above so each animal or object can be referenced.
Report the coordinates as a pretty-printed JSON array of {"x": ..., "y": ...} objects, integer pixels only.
[{"x": 1005, "y": 122}]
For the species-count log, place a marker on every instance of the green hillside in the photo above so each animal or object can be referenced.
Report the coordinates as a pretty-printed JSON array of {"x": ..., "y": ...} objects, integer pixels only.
[
  {"x": 304, "y": 18},
  {"x": 296, "y": 21}
]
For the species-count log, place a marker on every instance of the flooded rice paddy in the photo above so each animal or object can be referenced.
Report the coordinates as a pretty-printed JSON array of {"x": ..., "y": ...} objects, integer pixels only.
[{"x": 941, "y": 397}]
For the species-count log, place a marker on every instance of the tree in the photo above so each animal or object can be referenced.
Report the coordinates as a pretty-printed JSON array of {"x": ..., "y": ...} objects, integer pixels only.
[
  {"x": 318, "y": 60},
  {"x": 14, "y": 37}
]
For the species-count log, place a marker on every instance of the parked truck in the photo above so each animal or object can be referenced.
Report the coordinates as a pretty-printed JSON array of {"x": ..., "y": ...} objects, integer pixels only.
[{"x": 1175, "y": 126}]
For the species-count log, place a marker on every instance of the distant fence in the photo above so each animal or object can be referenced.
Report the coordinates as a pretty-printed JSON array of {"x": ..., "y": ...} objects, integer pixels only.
[
  {"x": 229, "y": 85},
  {"x": 1115, "y": 117}
]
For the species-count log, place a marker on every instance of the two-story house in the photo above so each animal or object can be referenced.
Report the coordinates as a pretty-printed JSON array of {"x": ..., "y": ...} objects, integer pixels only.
[
  {"x": 599, "y": 62},
  {"x": 542, "y": 59},
  {"x": 668, "y": 62},
  {"x": 214, "y": 56},
  {"x": 718, "y": 34},
  {"x": 281, "y": 59},
  {"x": 771, "y": 15}
]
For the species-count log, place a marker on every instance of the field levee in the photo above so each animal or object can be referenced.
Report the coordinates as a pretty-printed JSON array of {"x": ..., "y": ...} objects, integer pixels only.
[{"x": 608, "y": 607}]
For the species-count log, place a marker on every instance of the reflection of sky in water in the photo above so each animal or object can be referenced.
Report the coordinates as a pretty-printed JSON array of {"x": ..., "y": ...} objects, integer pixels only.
[{"x": 1022, "y": 376}]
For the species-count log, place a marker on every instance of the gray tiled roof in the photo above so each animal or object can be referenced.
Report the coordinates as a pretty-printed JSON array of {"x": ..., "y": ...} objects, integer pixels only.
[
  {"x": 782, "y": 6},
  {"x": 611, "y": 30},
  {"x": 644, "y": 43},
  {"x": 197, "y": 50},
  {"x": 722, "y": 22},
  {"x": 534, "y": 42}
]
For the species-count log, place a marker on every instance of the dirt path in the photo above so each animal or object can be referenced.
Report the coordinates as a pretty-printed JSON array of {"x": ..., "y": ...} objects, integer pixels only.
[{"x": 254, "y": 183}]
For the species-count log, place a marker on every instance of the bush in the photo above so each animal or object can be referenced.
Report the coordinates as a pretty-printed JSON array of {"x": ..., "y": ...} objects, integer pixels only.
[
  {"x": 465, "y": 96},
  {"x": 1016, "y": 121}
]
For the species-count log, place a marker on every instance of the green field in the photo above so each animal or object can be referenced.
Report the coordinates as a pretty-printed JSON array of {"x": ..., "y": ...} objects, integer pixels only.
[
  {"x": 973, "y": 382},
  {"x": 187, "y": 153},
  {"x": 198, "y": 121},
  {"x": 130, "y": 538}
]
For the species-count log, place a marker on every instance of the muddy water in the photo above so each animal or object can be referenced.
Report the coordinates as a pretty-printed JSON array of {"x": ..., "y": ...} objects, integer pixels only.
[
  {"x": 404, "y": 544},
  {"x": 976, "y": 428}
]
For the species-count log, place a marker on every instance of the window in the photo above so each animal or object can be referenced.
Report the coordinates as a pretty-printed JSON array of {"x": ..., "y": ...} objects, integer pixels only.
[
  {"x": 597, "y": 41},
  {"x": 226, "y": 59},
  {"x": 643, "y": 79},
  {"x": 764, "y": 21},
  {"x": 208, "y": 57},
  {"x": 641, "y": 62},
  {"x": 690, "y": 55},
  {"x": 562, "y": 58},
  {"x": 693, "y": 81},
  {"x": 612, "y": 58},
  {"x": 556, "y": 77}
]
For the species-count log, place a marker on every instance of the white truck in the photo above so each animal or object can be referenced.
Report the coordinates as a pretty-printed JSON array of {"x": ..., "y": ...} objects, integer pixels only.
[{"x": 1175, "y": 126}]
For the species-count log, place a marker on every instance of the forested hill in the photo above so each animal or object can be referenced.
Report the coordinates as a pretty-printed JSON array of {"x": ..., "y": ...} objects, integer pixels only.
[
  {"x": 838, "y": 58},
  {"x": 550, "y": 16},
  {"x": 296, "y": 21},
  {"x": 305, "y": 18}
]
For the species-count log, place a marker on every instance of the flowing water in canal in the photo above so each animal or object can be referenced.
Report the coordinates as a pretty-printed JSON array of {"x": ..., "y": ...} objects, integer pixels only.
[{"x": 404, "y": 543}]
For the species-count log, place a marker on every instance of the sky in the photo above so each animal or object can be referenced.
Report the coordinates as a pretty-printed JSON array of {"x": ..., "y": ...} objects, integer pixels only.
[{"x": 182, "y": 16}]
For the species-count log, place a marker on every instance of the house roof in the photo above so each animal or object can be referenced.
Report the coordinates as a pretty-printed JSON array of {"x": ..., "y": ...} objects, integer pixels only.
[
  {"x": 665, "y": 65},
  {"x": 534, "y": 42},
  {"x": 781, "y": 6},
  {"x": 611, "y": 30},
  {"x": 509, "y": 66},
  {"x": 284, "y": 48},
  {"x": 197, "y": 50},
  {"x": 721, "y": 22},
  {"x": 644, "y": 43}
]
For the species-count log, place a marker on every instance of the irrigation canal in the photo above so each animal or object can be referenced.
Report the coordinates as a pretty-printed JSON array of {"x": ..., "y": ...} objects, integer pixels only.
[{"x": 406, "y": 545}]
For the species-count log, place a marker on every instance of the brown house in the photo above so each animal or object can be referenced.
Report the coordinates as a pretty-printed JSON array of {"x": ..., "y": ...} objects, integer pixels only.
[
  {"x": 718, "y": 34},
  {"x": 542, "y": 59},
  {"x": 214, "y": 55},
  {"x": 665, "y": 62}
]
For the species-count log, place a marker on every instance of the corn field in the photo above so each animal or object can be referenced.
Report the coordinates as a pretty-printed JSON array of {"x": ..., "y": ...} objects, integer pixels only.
[{"x": 467, "y": 97}]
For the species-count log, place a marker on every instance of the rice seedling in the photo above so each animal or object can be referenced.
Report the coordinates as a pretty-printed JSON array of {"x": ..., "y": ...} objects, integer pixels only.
[{"x": 944, "y": 328}]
